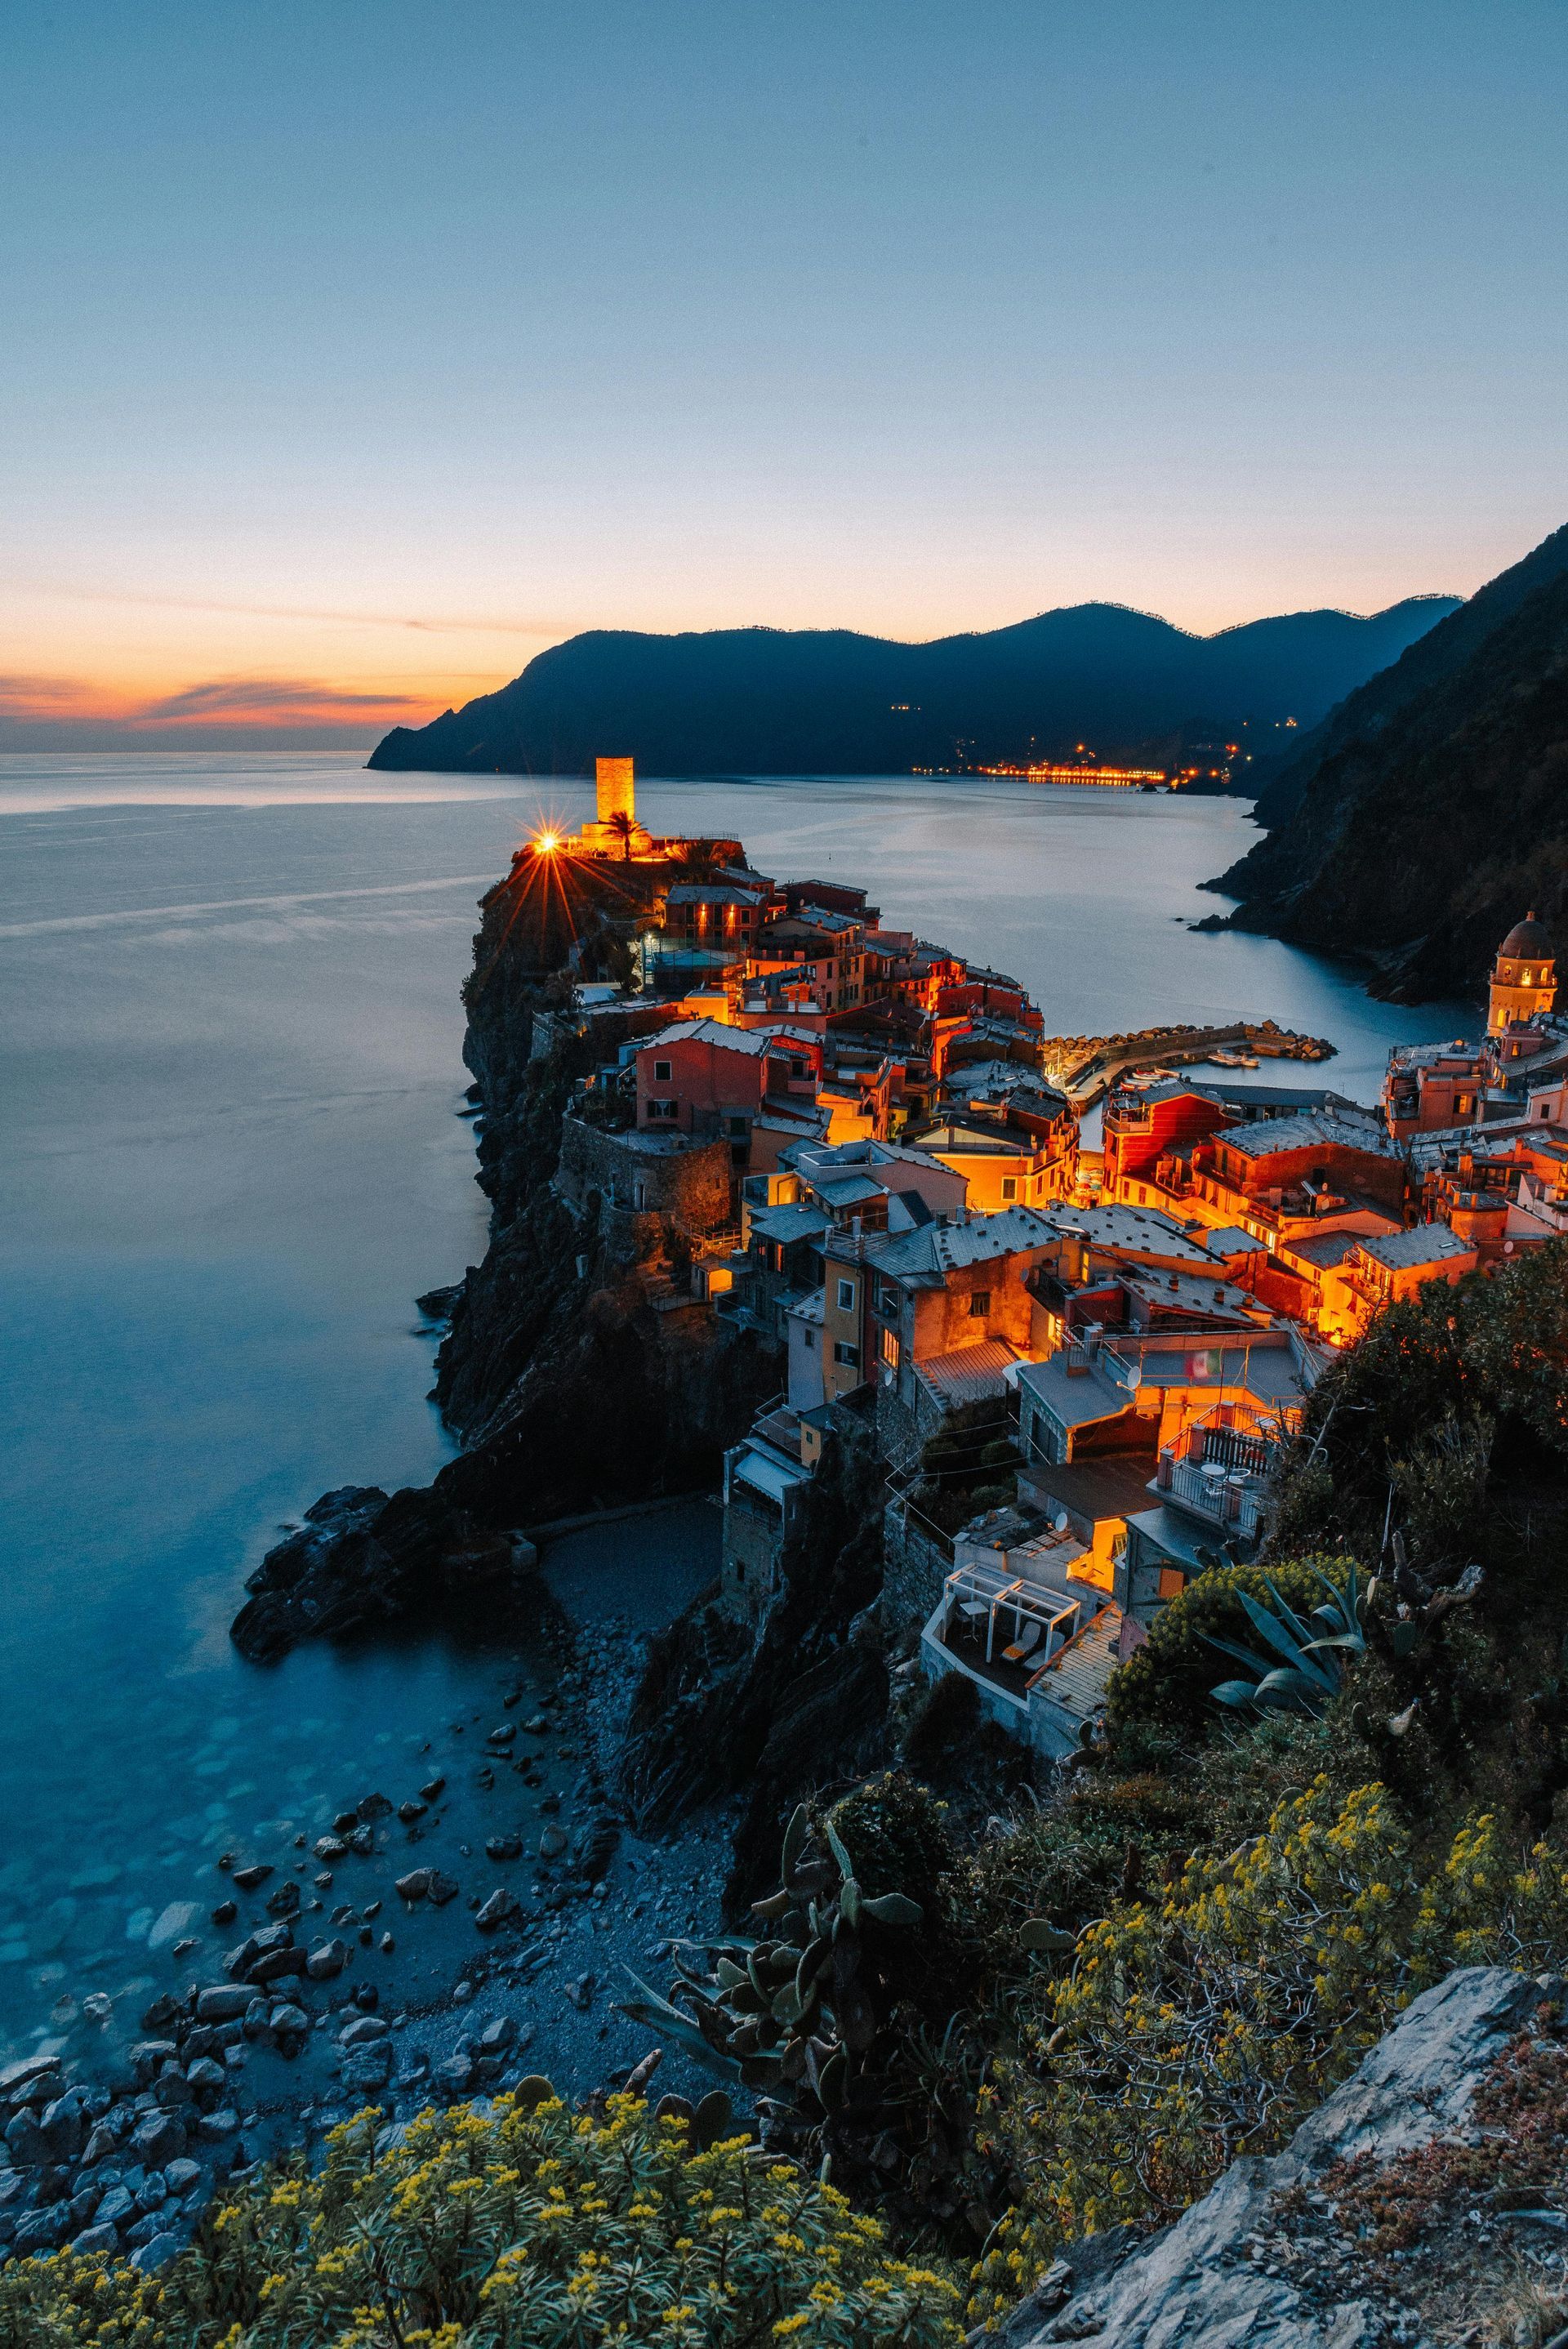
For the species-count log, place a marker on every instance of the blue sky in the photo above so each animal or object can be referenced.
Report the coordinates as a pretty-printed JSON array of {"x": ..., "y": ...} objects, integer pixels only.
[{"x": 353, "y": 353}]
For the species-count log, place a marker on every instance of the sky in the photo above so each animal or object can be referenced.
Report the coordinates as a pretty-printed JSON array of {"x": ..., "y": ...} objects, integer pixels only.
[{"x": 354, "y": 351}]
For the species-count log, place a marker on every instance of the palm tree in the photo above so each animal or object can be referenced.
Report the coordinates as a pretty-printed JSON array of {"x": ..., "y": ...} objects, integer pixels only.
[{"x": 624, "y": 827}]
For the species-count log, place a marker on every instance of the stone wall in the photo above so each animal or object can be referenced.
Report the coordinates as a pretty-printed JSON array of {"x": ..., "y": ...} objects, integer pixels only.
[
  {"x": 640, "y": 1175},
  {"x": 914, "y": 1567}
]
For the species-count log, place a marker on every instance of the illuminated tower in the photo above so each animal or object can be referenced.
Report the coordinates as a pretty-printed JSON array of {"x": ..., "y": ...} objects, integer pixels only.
[
  {"x": 617, "y": 789},
  {"x": 1523, "y": 977}
]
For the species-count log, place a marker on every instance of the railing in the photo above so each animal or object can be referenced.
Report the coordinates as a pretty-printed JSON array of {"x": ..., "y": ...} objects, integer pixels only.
[
  {"x": 1229, "y": 1499},
  {"x": 1235, "y": 1447}
]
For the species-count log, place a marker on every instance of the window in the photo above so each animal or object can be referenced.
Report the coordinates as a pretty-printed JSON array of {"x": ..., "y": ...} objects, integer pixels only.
[
  {"x": 739, "y": 1128},
  {"x": 1172, "y": 1583},
  {"x": 887, "y": 1347},
  {"x": 846, "y": 1295},
  {"x": 661, "y": 1072},
  {"x": 979, "y": 1304},
  {"x": 664, "y": 1109},
  {"x": 848, "y": 1357},
  {"x": 1009, "y": 1186}
]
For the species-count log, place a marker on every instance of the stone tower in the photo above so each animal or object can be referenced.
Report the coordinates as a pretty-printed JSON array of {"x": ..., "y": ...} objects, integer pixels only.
[
  {"x": 617, "y": 789},
  {"x": 1523, "y": 977}
]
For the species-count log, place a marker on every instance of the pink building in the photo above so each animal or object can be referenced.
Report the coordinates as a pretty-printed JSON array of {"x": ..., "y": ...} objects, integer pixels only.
[{"x": 702, "y": 1076}]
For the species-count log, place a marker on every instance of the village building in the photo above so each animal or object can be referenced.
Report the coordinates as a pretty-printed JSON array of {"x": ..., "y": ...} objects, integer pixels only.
[{"x": 934, "y": 1318}]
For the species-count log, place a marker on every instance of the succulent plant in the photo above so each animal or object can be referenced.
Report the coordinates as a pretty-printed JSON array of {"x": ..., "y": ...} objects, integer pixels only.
[
  {"x": 788, "y": 2010},
  {"x": 1305, "y": 1670}
]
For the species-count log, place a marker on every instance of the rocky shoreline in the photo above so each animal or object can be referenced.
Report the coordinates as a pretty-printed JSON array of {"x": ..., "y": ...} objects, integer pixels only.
[{"x": 419, "y": 1944}]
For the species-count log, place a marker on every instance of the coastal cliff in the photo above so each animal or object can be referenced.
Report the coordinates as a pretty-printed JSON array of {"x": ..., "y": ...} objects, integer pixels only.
[
  {"x": 569, "y": 1380},
  {"x": 1431, "y": 807}
]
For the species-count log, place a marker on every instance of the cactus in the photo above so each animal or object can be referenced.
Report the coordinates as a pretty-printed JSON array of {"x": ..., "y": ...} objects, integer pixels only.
[{"x": 790, "y": 2011}]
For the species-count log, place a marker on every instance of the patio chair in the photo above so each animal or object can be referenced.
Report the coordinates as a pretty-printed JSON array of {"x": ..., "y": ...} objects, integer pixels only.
[{"x": 1028, "y": 1640}]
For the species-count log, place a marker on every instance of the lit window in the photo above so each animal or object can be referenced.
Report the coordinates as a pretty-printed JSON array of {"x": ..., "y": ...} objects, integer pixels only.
[
  {"x": 979, "y": 1304},
  {"x": 888, "y": 1348},
  {"x": 846, "y": 1295}
]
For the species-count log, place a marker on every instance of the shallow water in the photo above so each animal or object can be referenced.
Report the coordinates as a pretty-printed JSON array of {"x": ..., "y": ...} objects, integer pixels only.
[{"x": 230, "y": 1157}]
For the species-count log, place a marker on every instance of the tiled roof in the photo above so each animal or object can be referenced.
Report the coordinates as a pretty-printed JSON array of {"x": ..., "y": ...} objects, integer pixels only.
[
  {"x": 755, "y": 1042},
  {"x": 970, "y": 1374},
  {"x": 1427, "y": 1244},
  {"x": 1313, "y": 1130}
]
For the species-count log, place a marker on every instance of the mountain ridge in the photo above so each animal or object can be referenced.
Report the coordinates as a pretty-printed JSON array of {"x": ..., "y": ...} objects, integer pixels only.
[
  {"x": 1431, "y": 807},
  {"x": 772, "y": 700}
]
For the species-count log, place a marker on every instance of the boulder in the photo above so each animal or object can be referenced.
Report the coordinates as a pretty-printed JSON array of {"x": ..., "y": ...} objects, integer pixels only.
[
  {"x": 362, "y": 2031},
  {"x": 272, "y": 1965},
  {"x": 415, "y": 1885},
  {"x": 148, "y": 2058},
  {"x": 366, "y": 2069},
  {"x": 180, "y": 2176},
  {"x": 1194, "y": 2286},
  {"x": 494, "y": 1912},
  {"x": 326, "y": 1960},
  {"x": 504, "y": 1846},
  {"x": 552, "y": 1842},
  {"x": 205, "y": 2074},
  {"x": 222, "y": 2003},
  {"x": 371, "y": 1808},
  {"x": 172, "y": 1922},
  {"x": 116, "y": 2209},
  {"x": 63, "y": 2127},
  {"x": 15, "y": 2078},
  {"x": 157, "y": 2251},
  {"x": 159, "y": 2137},
  {"x": 288, "y": 2021},
  {"x": 250, "y": 1878},
  {"x": 441, "y": 1887},
  {"x": 96, "y": 2241},
  {"x": 499, "y": 2035},
  {"x": 25, "y": 2138},
  {"x": 42, "y": 2230}
]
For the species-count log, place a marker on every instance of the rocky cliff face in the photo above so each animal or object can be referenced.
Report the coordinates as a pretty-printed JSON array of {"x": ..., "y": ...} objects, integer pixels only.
[
  {"x": 1422, "y": 2203},
  {"x": 569, "y": 1390},
  {"x": 1431, "y": 809}
]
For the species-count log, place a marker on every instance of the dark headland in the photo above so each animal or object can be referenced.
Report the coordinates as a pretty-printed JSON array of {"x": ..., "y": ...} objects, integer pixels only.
[{"x": 776, "y": 701}]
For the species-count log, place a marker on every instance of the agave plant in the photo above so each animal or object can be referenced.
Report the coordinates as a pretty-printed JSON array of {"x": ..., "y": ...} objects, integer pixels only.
[
  {"x": 790, "y": 2011},
  {"x": 1305, "y": 1665}
]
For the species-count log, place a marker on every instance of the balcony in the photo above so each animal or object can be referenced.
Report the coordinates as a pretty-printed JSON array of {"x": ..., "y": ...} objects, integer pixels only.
[{"x": 1229, "y": 1497}]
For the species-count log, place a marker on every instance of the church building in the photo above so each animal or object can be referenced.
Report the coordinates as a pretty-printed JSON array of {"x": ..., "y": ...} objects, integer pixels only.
[{"x": 1523, "y": 977}]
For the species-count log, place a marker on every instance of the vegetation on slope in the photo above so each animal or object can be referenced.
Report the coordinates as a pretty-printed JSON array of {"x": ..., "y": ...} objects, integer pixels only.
[
  {"x": 1435, "y": 811},
  {"x": 526, "y": 2227}
]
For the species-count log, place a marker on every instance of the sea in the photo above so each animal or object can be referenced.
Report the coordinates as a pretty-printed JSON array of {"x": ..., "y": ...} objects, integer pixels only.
[{"x": 232, "y": 1153}]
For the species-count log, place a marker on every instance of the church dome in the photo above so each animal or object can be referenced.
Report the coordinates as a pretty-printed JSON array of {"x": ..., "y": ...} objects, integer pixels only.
[{"x": 1527, "y": 938}]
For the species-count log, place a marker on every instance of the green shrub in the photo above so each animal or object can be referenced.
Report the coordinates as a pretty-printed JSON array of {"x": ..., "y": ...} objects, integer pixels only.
[
  {"x": 1206, "y": 2024},
  {"x": 532, "y": 2228},
  {"x": 1170, "y": 1680}
]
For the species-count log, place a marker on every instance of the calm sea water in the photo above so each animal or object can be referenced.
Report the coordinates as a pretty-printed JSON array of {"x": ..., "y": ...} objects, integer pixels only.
[{"x": 230, "y": 1157}]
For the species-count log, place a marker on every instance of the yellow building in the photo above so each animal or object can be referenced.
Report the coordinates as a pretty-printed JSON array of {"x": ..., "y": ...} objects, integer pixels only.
[
  {"x": 615, "y": 830},
  {"x": 1523, "y": 977}
]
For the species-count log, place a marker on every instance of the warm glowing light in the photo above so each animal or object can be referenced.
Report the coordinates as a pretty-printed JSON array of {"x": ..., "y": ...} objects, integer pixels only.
[{"x": 547, "y": 842}]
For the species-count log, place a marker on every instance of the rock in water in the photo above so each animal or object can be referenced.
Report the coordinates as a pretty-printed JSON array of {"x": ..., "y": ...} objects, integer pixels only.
[{"x": 362, "y": 1559}]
